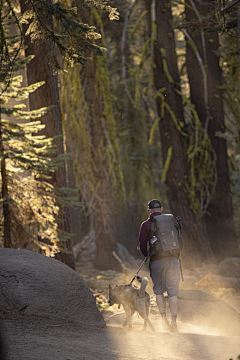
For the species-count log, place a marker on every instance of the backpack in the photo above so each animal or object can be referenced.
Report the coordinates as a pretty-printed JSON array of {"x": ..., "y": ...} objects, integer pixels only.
[{"x": 166, "y": 240}]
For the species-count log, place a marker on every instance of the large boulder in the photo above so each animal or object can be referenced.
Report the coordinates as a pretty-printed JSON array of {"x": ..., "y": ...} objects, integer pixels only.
[
  {"x": 230, "y": 267},
  {"x": 216, "y": 282},
  {"x": 234, "y": 302},
  {"x": 208, "y": 312},
  {"x": 33, "y": 284},
  {"x": 128, "y": 259}
]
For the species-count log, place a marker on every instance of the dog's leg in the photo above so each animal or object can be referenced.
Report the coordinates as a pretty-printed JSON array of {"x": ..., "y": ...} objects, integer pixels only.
[
  {"x": 147, "y": 321},
  {"x": 151, "y": 325},
  {"x": 144, "y": 315},
  {"x": 126, "y": 321},
  {"x": 144, "y": 326},
  {"x": 147, "y": 312},
  {"x": 129, "y": 321}
]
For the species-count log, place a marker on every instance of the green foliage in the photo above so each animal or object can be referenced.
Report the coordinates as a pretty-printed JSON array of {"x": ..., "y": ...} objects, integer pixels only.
[
  {"x": 227, "y": 14},
  {"x": 72, "y": 38},
  {"x": 103, "y": 5},
  {"x": 8, "y": 53},
  {"x": 153, "y": 128},
  {"x": 167, "y": 164},
  {"x": 27, "y": 162},
  {"x": 138, "y": 24}
]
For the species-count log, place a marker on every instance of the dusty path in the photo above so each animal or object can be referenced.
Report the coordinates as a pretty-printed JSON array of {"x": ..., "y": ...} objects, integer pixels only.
[{"x": 31, "y": 339}]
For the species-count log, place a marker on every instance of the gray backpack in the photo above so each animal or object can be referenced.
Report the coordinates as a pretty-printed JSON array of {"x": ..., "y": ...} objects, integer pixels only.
[{"x": 165, "y": 235}]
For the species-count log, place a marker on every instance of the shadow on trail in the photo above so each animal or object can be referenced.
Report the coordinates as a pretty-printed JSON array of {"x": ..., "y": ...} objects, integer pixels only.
[{"x": 31, "y": 338}]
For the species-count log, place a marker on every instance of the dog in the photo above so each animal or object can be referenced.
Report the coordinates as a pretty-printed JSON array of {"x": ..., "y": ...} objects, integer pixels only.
[{"x": 132, "y": 299}]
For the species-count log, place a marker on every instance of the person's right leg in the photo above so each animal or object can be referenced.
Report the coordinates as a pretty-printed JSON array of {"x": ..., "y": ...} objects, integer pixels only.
[
  {"x": 173, "y": 304},
  {"x": 172, "y": 284}
]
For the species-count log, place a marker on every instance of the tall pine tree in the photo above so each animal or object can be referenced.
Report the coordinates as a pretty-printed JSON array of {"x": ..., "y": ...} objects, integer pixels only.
[{"x": 30, "y": 204}]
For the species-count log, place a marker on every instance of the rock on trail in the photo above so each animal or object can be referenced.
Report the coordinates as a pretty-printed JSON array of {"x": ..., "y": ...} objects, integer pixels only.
[
  {"x": 35, "y": 285},
  {"x": 212, "y": 314}
]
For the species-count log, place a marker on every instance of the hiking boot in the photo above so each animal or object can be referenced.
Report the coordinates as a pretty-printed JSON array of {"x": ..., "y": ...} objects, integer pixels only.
[
  {"x": 173, "y": 327},
  {"x": 165, "y": 323}
]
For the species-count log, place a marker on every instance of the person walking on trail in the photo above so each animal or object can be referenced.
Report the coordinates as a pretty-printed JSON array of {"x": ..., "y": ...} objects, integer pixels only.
[{"x": 163, "y": 235}]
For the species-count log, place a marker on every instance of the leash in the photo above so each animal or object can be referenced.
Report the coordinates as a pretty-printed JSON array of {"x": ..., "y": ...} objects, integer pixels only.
[{"x": 144, "y": 261}]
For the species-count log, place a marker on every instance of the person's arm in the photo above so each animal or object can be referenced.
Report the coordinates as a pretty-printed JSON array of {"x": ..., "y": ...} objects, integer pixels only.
[{"x": 143, "y": 239}]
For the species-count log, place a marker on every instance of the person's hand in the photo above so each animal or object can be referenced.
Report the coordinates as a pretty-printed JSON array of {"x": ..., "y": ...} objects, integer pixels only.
[{"x": 138, "y": 248}]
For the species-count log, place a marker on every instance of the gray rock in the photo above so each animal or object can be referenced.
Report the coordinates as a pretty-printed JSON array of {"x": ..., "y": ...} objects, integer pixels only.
[
  {"x": 128, "y": 259},
  {"x": 86, "y": 248},
  {"x": 234, "y": 302},
  {"x": 33, "y": 284},
  {"x": 208, "y": 312},
  {"x": 189, "y": 282},
  {"x": 228, "y": 268},
  {"x": 194, "y": 295}
]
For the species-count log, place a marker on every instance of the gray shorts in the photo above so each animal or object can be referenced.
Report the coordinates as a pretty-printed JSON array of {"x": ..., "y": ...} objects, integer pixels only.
[{"x": 165, "y": 274}]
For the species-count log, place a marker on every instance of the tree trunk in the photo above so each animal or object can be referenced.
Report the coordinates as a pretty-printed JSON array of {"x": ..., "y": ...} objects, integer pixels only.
[
  {"x": 7, "y": 242},
  {"x": 74, "y": 214},
  {"x": 196, "y": 243},
  {"x": 48, "y": 94},
  {"x": 219, "y": 216},
  {"x": 105, "y": 228}
]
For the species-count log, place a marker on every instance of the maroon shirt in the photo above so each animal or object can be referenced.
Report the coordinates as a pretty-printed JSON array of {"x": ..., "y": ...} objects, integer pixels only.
[{"x": 145, "y": 236}]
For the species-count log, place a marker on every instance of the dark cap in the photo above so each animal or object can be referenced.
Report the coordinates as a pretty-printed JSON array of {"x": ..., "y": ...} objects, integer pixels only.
[{"x": 154, "y": 204}]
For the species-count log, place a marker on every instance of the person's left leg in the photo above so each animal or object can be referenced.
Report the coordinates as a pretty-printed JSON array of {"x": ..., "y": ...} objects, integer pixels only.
[
  {"x": 157, "y": 272},
  {"x": 161, "y": 302}
]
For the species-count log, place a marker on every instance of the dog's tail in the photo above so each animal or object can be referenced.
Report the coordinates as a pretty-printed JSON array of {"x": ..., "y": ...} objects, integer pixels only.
[{"x": 144, "y": 284}]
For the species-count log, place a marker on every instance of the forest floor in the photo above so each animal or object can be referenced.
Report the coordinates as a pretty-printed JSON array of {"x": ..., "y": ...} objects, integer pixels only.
[{"x": 31, "y": 338}]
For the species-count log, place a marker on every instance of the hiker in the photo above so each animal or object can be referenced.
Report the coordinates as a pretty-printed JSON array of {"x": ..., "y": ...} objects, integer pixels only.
[{"x": 164, "y": 265}]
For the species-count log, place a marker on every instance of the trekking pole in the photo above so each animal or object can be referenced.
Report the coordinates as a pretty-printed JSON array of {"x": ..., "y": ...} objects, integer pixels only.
[
  {"x": 144, "y": 261},
  {"x": 180, "y": 263}
]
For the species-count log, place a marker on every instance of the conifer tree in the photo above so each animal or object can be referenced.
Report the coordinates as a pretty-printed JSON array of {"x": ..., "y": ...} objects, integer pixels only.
[
  {"x": 40, "y": 27},
  {"x": 194, "y": 137},
  {"x": 30, "y": 204},
  {"x": 91, "y": 129},
  {"x": 175, "y": 139},
  {"x": 229, "y": 52},
  {"x": 205, "y": 80}
]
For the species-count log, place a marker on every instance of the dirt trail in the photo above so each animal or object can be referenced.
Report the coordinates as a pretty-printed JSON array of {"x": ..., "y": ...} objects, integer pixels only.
[
  {"x": 29, "y": 337},
  {"x": 34, "y": 339}
]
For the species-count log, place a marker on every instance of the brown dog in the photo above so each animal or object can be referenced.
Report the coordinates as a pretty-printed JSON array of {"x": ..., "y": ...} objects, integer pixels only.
[{"x": 132, "y": 299}]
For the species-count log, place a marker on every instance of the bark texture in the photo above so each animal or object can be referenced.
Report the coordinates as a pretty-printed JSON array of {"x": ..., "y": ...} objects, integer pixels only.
[
  {"x": 47, "y": 95},
  {"x": 105, "y": 228},
  {"x": 196, "y": 243},
  {"x": 219, "y": 216},
  {"x": 7, "y": 241}
]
